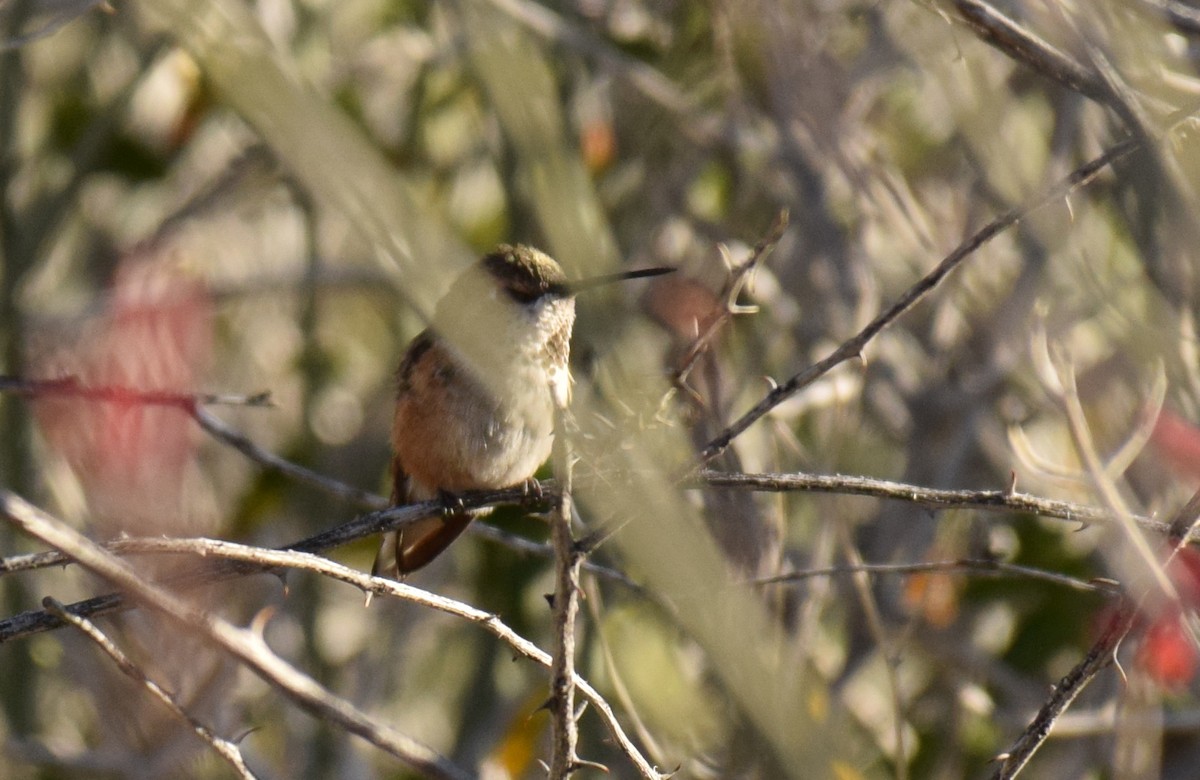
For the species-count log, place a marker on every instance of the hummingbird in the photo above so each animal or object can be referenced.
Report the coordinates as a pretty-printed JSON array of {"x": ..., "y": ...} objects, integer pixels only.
[{"x": 477, "y": 392}]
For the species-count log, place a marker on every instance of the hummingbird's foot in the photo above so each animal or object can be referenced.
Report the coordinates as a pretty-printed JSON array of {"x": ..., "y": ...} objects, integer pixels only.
[
  {"x": 531, "y": 488},
  {"x": 452, "y": 503}
]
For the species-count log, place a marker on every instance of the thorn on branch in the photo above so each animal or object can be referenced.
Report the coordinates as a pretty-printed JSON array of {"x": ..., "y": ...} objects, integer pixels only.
[{"x": 583, "y": 763}]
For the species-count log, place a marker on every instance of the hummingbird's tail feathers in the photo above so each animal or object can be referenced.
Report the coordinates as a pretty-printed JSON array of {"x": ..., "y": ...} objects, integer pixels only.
[
  {"x": 420, "y": 543},
  {"x": 403, "y": 552}
]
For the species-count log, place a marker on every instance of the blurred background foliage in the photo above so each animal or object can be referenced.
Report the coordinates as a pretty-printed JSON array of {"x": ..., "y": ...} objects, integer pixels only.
[{"x": 242, "y": 196}]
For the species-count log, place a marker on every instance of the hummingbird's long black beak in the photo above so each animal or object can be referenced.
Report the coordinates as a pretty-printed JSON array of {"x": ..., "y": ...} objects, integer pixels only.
[{"x": 580, "y": 285}]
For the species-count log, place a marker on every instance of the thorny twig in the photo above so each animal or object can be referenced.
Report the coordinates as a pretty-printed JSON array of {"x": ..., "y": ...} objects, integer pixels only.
[
  {"x": 257, "y": 558},
  {"x": 564, "y": 731},
  {"x": 380, "y": 521},
  {"x": 243, "y": 644},
  {"x": 1098, "y": 657},
  {"x": 933, "y": 498},
  {"x": 226, "y": 749}
]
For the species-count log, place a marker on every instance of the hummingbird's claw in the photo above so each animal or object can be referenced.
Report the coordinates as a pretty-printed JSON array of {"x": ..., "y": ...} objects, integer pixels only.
[
  {"x": 452, "y": 503},
  {"x": 532, "y": 488}
]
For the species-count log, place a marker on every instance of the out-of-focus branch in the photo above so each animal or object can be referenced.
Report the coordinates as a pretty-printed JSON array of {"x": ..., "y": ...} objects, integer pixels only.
[
  {"x": 217, "y": 428},
  {"x": 853, "y": 347},
  {"x": 224, "y": 748},
  {"x": 727, "y": 306},
  {"x": 1183, "y": 16},
  {"x": 975, "y": 567},
  {"x": 1026, "y": 47},
  {"x": 243, "y": 644},
  {"x": 42, "y": 19},
  {"x": 650, "y": 82},
  {"x": 71, "y": 387}
]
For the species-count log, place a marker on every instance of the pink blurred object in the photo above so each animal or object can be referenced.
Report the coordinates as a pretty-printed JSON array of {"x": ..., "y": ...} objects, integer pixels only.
[{"x": 155, "y": 334}]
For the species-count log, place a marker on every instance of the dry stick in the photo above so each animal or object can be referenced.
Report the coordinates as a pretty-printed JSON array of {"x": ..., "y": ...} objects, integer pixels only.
[
  {"x": 1022, "y": 45},
  {"x": 564, "y": 731},
  {"x": 71, "y": 387},
  {"x": 223, "y": 433},
  {"x": 983, "y": 500},
  {"x": 245, "y": 645},
  {"x": 36, "y": 621},
  {"x": 1098, "y": 657},
  {"x": 854, "y": 346},
  {"x": 727, "y": 306},
  {"x": 985, "y": 567},
  {"x": 226, "y": 749},
  {"x": 147, "y": 545},
  {"x": 247, "y": 556}
]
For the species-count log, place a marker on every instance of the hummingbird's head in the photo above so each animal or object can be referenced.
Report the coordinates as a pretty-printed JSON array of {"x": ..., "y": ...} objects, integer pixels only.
[
  {"x": 512, "y": 305},
  {"x": 514, "y": 302},
  {"x": 525, "y": 274}
]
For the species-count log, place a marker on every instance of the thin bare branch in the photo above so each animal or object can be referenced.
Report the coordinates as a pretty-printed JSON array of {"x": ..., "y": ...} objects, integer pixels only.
[
  {"x": 1102, "y": 653},
  {"x": 1027, "y": 48},
  {"x": 1098, "y": 657},
  {"x": 217, "y": 428},
  {"x": 975, "y": 567},
  {"x": 157, "y": 545},
  {"x": 564, "y": 731},
  {"x": 224, "y": 748},
  {"x": 727, "y": 306},
  {"x": 243, "y": 644},
  {"x": 28, "y": 623},
  {"x": 71, "y": 387},
  {"x": 984, "y": 500},
  {"x": 853, "y": 347}
]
